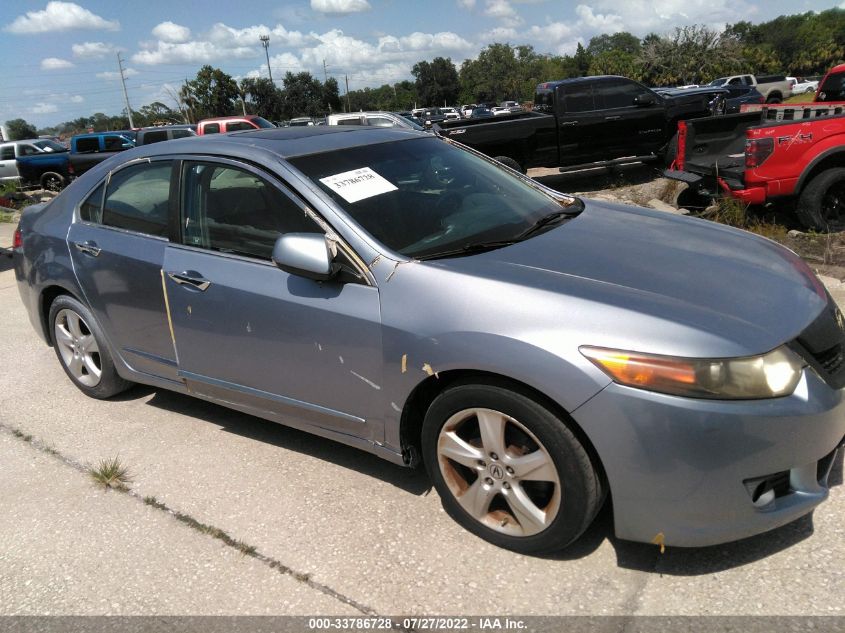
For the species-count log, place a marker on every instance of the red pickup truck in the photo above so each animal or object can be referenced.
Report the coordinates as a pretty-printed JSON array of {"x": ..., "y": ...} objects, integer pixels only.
[{"x": 766, "y": 152}]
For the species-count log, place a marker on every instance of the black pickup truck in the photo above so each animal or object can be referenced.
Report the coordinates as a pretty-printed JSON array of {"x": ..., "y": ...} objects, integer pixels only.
[{"x": 586, "y": 121}]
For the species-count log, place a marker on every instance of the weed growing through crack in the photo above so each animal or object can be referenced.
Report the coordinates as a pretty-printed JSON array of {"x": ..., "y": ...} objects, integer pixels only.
[{"x": 112, "y": 474}]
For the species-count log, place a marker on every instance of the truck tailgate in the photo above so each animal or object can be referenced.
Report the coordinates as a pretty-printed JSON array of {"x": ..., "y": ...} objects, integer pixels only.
[{"x": 716, "y": 145}]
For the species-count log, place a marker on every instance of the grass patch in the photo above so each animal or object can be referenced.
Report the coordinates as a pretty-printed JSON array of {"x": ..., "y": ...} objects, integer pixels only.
[
  {"x": 733, "y": 212},
  {"x": 806, "y": 97},
  {"x": 112, "y": 474}
]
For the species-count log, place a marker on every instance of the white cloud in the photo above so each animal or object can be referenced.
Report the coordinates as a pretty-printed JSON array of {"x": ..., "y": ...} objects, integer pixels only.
[
  {"x": 602, "y": 23},
  {"x": 200, "y": 52},
  {"x": 60, "y": 16},
  {"x": 77, "y": 99},
  {"x": 170, "y": 32},
  {"x": 466, "y": 4},
  {"x": 109, "y": 75},
  {"x": 279, "y": 36},
  {"x": 45, "y": 108},
  {"x": 500, "y": 34},
  {"x": 340, "y": 6},
  {"x": 92, "y": 50},
  {"x": 503, "y": 11},
  {"x": 54, "y": 63},
  {"x": 661, "y": 16}
]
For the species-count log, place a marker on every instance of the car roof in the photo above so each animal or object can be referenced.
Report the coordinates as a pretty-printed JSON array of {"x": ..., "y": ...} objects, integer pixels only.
[
  {"x": 90, "y": 134},
  {"x": 280, "y": 142},
  {"x": 236, "y": 117},
  {"x": 578, "y": 80}
]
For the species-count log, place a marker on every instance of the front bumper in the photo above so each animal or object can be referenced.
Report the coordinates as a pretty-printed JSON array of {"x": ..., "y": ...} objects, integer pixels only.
[{"x": 690, "y": 469}]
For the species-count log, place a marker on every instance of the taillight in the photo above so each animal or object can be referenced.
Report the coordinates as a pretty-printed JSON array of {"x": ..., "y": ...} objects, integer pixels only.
[
  {"x": 70, "y": 168},
  {"x": 17, "y": 240},
  {"x": 757, "y": 150}
]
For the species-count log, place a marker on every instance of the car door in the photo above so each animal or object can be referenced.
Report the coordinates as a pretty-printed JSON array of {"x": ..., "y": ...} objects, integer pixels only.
[
  {"x": 632, "y": 129},
  {"x": 250, "y": 334},
  {"x": 117, "y": 243},
  {"x": 8, "y": 166},
  {"x": 580, "y": 125}
]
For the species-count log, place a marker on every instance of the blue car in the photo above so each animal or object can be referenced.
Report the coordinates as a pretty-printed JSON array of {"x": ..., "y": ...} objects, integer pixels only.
[{"x": 389, "y": 289}]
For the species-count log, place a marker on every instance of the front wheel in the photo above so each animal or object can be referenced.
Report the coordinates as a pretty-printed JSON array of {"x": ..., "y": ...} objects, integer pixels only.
[
  {"x": 508, "y": 469},
  {"x": 81, "y": 349},
  {"x": 51, "y": 181},
  {"x": 821, "y": 206}
]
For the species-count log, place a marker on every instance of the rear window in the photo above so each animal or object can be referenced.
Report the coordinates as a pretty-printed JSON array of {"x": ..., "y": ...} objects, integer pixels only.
[
  {"x": 833, "y": 88},
  {"x": 155, "y": 137},
  {"x": 212, "y": 128},
  {"x": 239, "y": 125},
  {"x": 544, "y": 100},
  {"x": 87, "y": 145},
  {"x": 579, "y": 98}
]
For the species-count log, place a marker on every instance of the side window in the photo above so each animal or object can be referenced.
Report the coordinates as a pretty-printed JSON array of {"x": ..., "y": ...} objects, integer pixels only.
[
  {"x": 28, "y": 150},
  {"x": 92, "y": 209},
  {"x": 156, "y": 136},
  {"x": 380, "y": 121},
  {"x": 544, "y": 101},
  {"x": 355, "y": 121},
  {"x": 87, "y": 145},
  {"x": 112, "y": 143},
  {"x": 181, "y": 133},
  {"x": 212, "y": 128},
  {"x": 617, "y": 94},
  {"x": 239, "y": 125},
  {"x": 234, "y": 211},
  {"x": 138, "y": 197},
  {"x": 579, "y": 97},
  {"x": 7, "y": 152}
]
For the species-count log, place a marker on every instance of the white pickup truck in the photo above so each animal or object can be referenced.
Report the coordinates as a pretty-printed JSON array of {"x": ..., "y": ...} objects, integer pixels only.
[{"x": 774, "y": 88}]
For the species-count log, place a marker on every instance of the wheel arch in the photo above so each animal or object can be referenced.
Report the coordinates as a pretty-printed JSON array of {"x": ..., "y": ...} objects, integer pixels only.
[
  {"x": 45, "y": 299},
  {"x": 833, "y": 157},
  {"x": 420, "y": 399}
]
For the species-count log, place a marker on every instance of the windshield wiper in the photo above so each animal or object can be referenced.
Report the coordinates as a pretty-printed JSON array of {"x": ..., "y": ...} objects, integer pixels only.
[
  {"x": 468, "y": 249},
  {"x": 546, "y": 220}
]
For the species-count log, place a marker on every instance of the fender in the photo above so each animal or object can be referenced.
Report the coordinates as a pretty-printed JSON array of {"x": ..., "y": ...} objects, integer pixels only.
[{"x": 833, "y": 147}]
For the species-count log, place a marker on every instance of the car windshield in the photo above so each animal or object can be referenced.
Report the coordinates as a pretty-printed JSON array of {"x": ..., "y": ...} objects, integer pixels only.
[
  {"x": 263, "y": 123},
  {"x": 50, "y": 146},
  {"x": 423, "y": 197},
  {"x": 412, "y": 123},
  {"x": 833, "y": 88}
]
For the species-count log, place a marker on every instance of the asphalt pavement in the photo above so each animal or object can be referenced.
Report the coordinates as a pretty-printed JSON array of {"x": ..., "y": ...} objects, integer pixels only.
[{"x": 231, "y": 514}]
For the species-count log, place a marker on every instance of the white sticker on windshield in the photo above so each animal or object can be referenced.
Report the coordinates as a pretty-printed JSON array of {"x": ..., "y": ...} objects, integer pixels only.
[{"x": 358, "y": 184}]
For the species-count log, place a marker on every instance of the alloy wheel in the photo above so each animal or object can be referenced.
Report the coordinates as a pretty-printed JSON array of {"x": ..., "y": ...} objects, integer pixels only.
[{"x": 78, "y": 348}]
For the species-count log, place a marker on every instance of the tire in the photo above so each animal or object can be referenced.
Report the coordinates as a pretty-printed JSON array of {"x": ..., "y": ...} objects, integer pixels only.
[
  {"x": 81, "y": 349},
  {"x": 510, "y": 162},
  {"x": 484, "y": 486},
  {"x": 774, "y": 100},
  {"x": 821, "y": 205},
  {"x": 51, "y": 181}
]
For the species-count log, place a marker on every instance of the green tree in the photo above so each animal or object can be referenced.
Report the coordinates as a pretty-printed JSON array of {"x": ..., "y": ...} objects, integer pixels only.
[
  {"x": 263, "y": 98},
  {"x": 436, "y": 81},
  {"x": 20, "y": 129},
  {"x": 212, "y": 93},
  {"x": 582, "y": 60},
  {"x": 623, "y": 42}
]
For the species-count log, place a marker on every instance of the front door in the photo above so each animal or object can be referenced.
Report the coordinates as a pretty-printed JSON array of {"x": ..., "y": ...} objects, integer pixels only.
[{"x": 276, "y": 344}]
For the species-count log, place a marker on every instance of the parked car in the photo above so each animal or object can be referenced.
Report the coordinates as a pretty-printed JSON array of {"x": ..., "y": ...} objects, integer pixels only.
[
  {"x": 482, "y": 112},
  {"x": 87, "y": 150},
  {"x": 432, "y": 116},
  {"x": 302, "y": 121},
  {"x": 148, "y": 135},
  {"x": 466, "y": 110},
  {"x": 393, "y": 291},
  {"x": 410, "y": 116},
  {"x": 586, "y": 121},
  {"x": 374, "y": 119},
  {"x": 805, "y": 86},
  {"x": 450, "y": 113},
  {"x": 35, "y": 161},
  {"x": 775, "y": 88},
  {"x": 740, "y": 95},
  {"x": 223, "y": 124},
  {"x": 832, "y": 86}
]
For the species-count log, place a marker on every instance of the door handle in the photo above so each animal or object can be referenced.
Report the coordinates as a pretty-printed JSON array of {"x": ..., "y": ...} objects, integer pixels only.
[
  {"x": 89, "y": 248},
  {"x": 190, "y": 279},
  {"x": 612, "y": 118},
  {"x": 569, "y": 123}
]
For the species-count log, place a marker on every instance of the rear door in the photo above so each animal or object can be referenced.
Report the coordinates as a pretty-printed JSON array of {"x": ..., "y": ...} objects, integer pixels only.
[
  {"x": 580, "y": 125},
  {"x": 248, "y": 333},
  {"x": 117, "y": 243},
  {"x": 631, "y": 130}
]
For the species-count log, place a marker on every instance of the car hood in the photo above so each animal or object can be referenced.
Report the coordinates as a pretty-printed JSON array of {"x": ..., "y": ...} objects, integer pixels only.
[{"x": 687, "y": 285}]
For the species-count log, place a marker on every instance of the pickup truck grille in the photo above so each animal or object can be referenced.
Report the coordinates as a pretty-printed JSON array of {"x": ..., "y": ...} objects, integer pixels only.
[{"x": 822, "y": 345}]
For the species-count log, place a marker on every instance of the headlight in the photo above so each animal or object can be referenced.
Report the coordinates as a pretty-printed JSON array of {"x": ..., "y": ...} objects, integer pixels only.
[{"x": 767, "y": 376}]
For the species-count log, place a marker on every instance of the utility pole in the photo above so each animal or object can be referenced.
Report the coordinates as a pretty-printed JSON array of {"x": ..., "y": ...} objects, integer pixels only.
[
  {"x": 325, "y": 83},
  {"x": 347, "y": 93},
  {"x": 265, "y": 42},
  {"x": 125, "y": 94}
]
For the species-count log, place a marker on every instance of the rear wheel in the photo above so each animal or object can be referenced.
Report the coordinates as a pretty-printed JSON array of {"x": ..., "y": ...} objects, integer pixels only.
[
  {"x": 81, "y": 349},
  {"x": 821, "y": 206},
  {"x": 508, "y": 469},
  {"x": 773, "y": 100},
  {"x": 510, "y": 162},
  {"x": 51, "y": 181}
]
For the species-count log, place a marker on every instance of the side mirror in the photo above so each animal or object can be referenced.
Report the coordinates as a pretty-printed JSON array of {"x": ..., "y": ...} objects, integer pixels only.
[
  {"x": 645, "y": 99},
  {"x": 305, "y": 254}
]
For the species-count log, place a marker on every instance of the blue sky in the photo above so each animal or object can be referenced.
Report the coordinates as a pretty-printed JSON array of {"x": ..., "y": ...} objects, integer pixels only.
[{"x": 60, "y": 58}]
